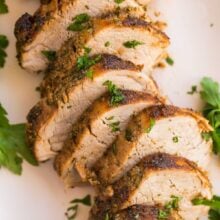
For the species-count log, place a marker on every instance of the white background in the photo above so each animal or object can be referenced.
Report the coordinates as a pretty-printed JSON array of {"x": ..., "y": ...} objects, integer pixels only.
[{"x": 39, "y": 194}]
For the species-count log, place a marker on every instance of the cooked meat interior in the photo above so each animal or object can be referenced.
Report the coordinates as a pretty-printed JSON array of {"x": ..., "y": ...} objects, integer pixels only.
[
  {"x": 49, "y": 28},
  {"x": 95, "y": 131},
  {"x": 159, "y": 128},
  {"x": 157, "y": 179},
  {"x": 126, "y": 36},
  {"x": 50, "y": 123},
  {"x": 140, "y": 212}
]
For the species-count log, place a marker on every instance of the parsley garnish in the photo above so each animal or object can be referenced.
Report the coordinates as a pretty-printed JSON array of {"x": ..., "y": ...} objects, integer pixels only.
[
  {"x": 206, "y": 136},
  {"x": 175, "y": 139},
  {"x": 116, "y": 95},
  {"x": 151, "y": 125},
  {"x": 49, "y": 54},
  {"x": 214, "y": 204},
  {"x": 80, "y": 22},
  {"x": 114, "y": 126},
  {"x": 107, "y": 216},
  {"x": 114, "y": 148},
  {"x": 211, "y": 95},
  {"x": 89, "y": 74},
  {"x": 72, "y": 211},
  {"x": 193, "y": 90},
  {"x": 3, "y": 45},
  {"x": 85, "y": 62},
  {"x": 107, "y": 44},
  {"x": 3, "y": 7},
  {"x": 169, "y": 207},
  {"x": 170, "y": 61},
  {"x": 13, "y": 148},
  {"x": 132, "y": 44}
]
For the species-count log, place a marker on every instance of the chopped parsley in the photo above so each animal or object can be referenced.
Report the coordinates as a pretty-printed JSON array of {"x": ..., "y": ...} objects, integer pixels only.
[
  {"x": 3, "y": 7},
  {"x": 206, "y": 136},
  {"x": 107, "y": 44},
  {"x": 49, "y": 54},
  {"x": 128, "y": 135},
  {"x": 114, "y": 148},
  {"x": 116, "y": 95},
  {"x": 151, "y": 125},
  {"x": 119, "y": 1},
  {"x": 107, "y": 216},
  {"x": 132, "y": 44},
  {"x": 214, "y": 204},
  {"x": 3, "y": 45},
  {"x": 175, "y": 139},
  {"x": 89, "y": 74},
  {"x": 115, "y": 126},
  {"x": 210, "y": 94},
  {"x": 170, "y": 61},
  {"x": 80, "y": 22},
  {"x": 13, "y": 147},
  {"x": 193, "y": 90},
  {"x": 169, "y": 207},
  {"x": 85, "y": 62},
  {"x": 72, "y": 211}
]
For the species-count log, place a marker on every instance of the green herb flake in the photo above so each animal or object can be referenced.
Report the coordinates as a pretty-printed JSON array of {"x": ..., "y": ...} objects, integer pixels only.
[
  {"x": 89, "y": 74},
  {"x": 3, "y": 45},
  {"x": 206, "y": 136},
  {"x": 128, "y": 135},
  {"x": 114, "y": 148},
  {"x": 72, "y": 211},
  {"x": 80, "y": 22},
  {"x": 107, "y": 216},
  {"x": 116, "y": 95},
  {"x": 115, "y": 126},
  {"x": 210, "y": 94},
  {"x": 13, "y": 148},
  {"x": 49, "y": 54},
  {"x": 107, "y": 44},
  {"x": 151, "y": 125},
  {"x": 193, "y": 90},
  {"x": 170, "y": 61},
  {"x": 214, "y": 204},
  {"x": 132, "y": 44},
  {"x": 175, "y": 139},
  {"x": 3, "y": 7},
  {"x": 163, "y": 214}
]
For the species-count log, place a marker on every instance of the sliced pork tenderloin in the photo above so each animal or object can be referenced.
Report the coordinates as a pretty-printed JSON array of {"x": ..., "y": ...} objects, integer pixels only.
[
  {"x": 125, "y": 35},
  {"x": 95, "y": 131},
  {"x": 141, "y": 212},
  {"x": 48, "y": 28},
  {"x": 50, "y": 120},
  {"x": 161, "y": 128},
  {"x": 158, "y": 179}
]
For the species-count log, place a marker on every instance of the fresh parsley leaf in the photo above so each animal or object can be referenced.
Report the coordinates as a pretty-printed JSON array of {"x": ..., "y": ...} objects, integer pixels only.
[
  {"x": 151, "y": 125},
  {"x": 107, "y": 44},
  {"x": 119, "y": 1},
  {"x": 206, "y": 136},
  {"x": 3, "y": 7},
  {"x": 89, "y": 74},
  {"x": 170, "y": 61},
  {"x": 132, "y": 44},
  {"x": 175, "y": 139},
  {"x": 3, "y": 45},
  {"x": 85, "y": 62},
  {"x": 72, "y": 211},
  {"x": 210, "y": 94},
  {"x": 49, "y": 54},
  {"x": 114, "y": 126},
  {"x": 80, "y": 22},
  {"x": 193, "y": 90},
  {"x": 116, "y": 95},
  {"x": 13, "y": 148},
  {"x": 214, "y": 204}
]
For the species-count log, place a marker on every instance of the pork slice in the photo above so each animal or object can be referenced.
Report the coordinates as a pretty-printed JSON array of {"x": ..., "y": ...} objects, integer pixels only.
[
  {"x": 108, "y": 34},
  {"x": 161, "y": 128},
  {"x": 47, "y": 29},
  {"x": 49, "y": 123},
  {"x": 156, "y": 180},
  {"x": 94, "y": 133}
]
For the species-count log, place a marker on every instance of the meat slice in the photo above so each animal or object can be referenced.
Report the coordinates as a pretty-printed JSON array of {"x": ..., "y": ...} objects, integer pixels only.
[
  {"x": 159, "y": 128},
  {"x": 145, "y": 46},
  {"x": 95, "y": 131},
  {"x": 47, "y": 29},
  {"x": 49, "y": 120},
  {"x": 158, "y": 179},
  {"x": 140, "y": 212}
]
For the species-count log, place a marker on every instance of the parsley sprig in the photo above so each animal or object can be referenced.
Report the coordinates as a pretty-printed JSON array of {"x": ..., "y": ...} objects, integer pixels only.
[
  {"x": 13, "y": 148},
  {"x": 210, "y": 94},
  {"x": 116, "y": 95},
  {"x": 49, "y": 54},
  {"x": 3, "y": 7},
  {"x": 72, "y": 211},
  {"x": 214, "y": 204},
  {"x": 3, "y": 45},
  {"x": 132, "y": 44},
  {"x": 80, "y": 22}
]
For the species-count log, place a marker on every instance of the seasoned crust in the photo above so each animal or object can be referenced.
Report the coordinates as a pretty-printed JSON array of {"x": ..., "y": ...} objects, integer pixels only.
[{"x": 100, "y": 105}]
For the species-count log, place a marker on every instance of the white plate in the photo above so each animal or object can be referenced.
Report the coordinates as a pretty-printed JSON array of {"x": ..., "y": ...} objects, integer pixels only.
[{"x": 39, "y": 194}]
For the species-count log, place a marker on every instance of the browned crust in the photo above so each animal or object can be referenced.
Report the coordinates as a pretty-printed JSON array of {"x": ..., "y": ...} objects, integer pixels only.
[
  {"x": 99, "y": 106},
  {"x": 141, "y": 212},
  {"x": 165, "y": 111}
]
